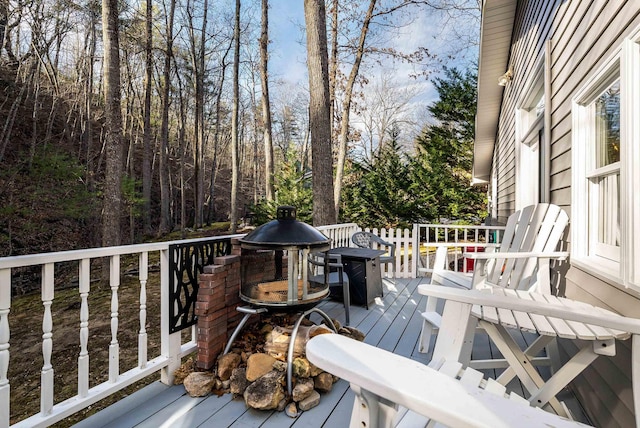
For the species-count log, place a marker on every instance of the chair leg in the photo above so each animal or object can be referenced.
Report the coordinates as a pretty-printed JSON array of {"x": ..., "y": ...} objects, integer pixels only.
[
  {"x": 455, "y": 338},
  {"x": 346, "y": 298},
  {"x": 428, "y": 329}
]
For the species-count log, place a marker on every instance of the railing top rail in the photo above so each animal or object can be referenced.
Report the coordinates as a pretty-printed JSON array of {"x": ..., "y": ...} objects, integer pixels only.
[
  {"x": 462, "y": 226},
  {"x": 87, "y": 253},
  {"x": 331, "y": 226},
  {"x": 90, "y": 253}
]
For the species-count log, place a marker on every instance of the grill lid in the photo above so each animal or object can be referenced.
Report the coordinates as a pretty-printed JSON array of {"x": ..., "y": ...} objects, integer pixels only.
[{"x": 285, "y": 232}]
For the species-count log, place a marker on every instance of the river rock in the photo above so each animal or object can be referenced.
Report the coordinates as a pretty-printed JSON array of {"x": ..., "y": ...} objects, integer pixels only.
[
  {"x": 351, "y": 332},
  {"x": 301, "y": 367},
  {"x": 310, "y": 402},
  {"x": 199, "y": 384},
  {"x": 266, "y": 392},
  {"x": 291, "y": 410},
  {"x": 226, "y": 364},
  {"x": 323, "y": 382},
  {"x": 303, "y": 389},
  {"x": 258, "y": 365},
  {"x": 238, "y": 381}
]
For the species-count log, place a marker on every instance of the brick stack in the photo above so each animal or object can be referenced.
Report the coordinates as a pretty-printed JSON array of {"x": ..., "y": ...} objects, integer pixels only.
[{"x": 217, "y": 299}]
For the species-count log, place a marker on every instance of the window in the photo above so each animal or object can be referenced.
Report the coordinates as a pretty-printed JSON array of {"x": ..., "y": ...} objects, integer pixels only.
[
  {"x": 604, "y": 177},
  {"x": 531, "y": 150},
  {"x": 605, "y": 164}
]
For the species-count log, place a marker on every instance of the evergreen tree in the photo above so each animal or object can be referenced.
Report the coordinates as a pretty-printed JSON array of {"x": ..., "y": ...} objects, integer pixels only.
[
  {"x": 381, "y": 193},
  {"x": 292, "y": 184},
  {"x": 445, "y": 151}
]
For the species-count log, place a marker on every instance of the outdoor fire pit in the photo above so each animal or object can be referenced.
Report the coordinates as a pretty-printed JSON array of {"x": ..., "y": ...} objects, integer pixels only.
[{"x": 287, "y": 290}]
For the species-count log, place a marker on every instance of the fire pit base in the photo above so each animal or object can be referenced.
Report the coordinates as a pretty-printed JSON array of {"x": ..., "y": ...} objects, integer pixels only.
[{"x": 248, "y": 311}]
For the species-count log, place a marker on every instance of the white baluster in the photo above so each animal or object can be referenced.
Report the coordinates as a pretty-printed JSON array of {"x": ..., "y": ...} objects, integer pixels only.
[
  {"x": 46, "y": 376},
  {"x": 84, "y": 273},
  {"x": 114, "y": 348},
  {"x": 142, "y": 335},
  {"x": 5, "y": 305}
]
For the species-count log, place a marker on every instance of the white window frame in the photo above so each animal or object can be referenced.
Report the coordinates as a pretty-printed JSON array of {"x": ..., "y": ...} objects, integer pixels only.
[
  {"x": 623, "y": 269},
  {"x": 531, "y": 151}
]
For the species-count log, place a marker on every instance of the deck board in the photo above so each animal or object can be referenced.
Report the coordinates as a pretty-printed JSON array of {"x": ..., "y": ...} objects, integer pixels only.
[{"x": 393, "y": 323}]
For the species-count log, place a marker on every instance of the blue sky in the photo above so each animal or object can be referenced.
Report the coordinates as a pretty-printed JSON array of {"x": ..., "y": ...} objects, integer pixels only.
[{"x": 287, "y": 51}]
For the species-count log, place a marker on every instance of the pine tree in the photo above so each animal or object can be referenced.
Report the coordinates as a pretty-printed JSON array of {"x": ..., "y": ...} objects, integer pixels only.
[{"x": 443, "y": 166}]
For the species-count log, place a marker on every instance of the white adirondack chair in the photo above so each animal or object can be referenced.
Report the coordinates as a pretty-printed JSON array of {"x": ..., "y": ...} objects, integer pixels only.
[
  {"x": 395, "y": 391},
  {"x": 521, "y": 261}
]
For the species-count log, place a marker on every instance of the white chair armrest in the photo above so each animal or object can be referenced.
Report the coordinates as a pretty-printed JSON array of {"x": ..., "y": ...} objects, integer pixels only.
[
  {"x": 461, "y": 244},
  {"x": 420, "y": 388},
  {"x": 565, "y": 309},
  {"x": 560, "y": 255}
]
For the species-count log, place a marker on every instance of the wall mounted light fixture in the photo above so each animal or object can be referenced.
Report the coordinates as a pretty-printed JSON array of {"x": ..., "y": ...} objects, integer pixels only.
[{"x": 505, "y": 78}]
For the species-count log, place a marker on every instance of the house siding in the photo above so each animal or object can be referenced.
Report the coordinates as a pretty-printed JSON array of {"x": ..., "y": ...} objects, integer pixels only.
[{"x": 583, "y": 34}]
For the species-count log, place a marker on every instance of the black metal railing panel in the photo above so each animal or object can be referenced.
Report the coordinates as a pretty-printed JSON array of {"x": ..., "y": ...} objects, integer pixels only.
[{"x": 186, "y": 262}]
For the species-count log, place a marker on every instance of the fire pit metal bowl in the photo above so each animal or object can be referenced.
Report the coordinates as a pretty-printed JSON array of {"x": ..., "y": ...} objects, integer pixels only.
[{"x": 295, "y": 239}]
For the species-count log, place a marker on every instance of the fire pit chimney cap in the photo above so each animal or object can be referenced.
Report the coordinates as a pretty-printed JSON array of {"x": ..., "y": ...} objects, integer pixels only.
[{"x": 285, "y": 232}]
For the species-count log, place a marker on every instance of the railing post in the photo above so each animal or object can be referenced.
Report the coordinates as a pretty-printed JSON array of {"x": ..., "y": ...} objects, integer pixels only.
[
  {"x": 5, "y": 306},
  {"x": 83, "y": 359},
  {"x": 46, "y": 376},
  {"x": 143, "y": 269},
  {"x": 114, "y": 347},
  {"x": 415, "y": 250},
  {"x": 169, "y": 343}
]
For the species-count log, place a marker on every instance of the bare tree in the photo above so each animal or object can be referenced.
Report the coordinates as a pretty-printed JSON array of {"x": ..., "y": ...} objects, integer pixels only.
[
  {"x": 235, "y": 173},
  {"x": 346, "y": 104},
  {"x": 319, "y": 112},
  {"x": 146, "y": 137},
  {"x": 387, "y": 105},
  {"x": 266, "y": 105},
  {"x": 111, "y": 234},
  {"x": 166, "y": 223}
]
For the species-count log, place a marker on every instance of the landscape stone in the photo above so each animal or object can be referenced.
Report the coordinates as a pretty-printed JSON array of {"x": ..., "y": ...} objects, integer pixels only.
[
  {"x": 266, "y": 392},
  {"x": 323, "y": 382},
  {"x": 258, "y": 365},
  {"x": 353, "y": 333},
  {"x": 226, "y": 364},
  {"x": 301, "y": 367},
  {"x": 199, "y": 384},
  {"x": 310, "y": 402},
  {"x": 238, "y": 381},
  {"x": 291, "y": 410},
  {"x": 303, "y": 389}
]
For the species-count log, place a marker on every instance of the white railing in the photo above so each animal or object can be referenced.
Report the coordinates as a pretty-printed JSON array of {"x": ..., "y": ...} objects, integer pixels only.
[
  {"x": 340, "y": 234},
  {"x": 171, "y": 346},
  {"x": 403, "y": 240},
  {"x": 428, "y": 236}
]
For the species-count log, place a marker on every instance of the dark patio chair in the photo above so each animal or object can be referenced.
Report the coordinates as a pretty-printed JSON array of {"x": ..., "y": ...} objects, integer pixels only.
[
  {"x": 368, "y": 240},
  {"x": 337, "y": 279}
]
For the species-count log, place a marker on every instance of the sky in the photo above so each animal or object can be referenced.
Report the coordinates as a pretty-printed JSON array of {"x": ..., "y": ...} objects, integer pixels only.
[{"x": 288, "y": 53}]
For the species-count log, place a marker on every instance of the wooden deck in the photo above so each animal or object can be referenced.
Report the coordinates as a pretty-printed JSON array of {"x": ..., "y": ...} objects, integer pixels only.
[{"x": 393, "y": 323}]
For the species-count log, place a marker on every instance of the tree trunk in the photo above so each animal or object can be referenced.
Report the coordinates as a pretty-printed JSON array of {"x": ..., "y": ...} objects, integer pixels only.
[
  {"x": 233, "y": 217},
  {"x": 146, "y": 136},
  {"x": 333, "y": 62},
  {"x": 346, "y": 106},
  {"x": 266, "y": 105},
  {"x": 198, "y": 60},
  {"x": 216, "y": 137},
  {"x": 165, "y": 189},
  {"x": 111, "y": 210},
  {"x": 319, "y": 112}
]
